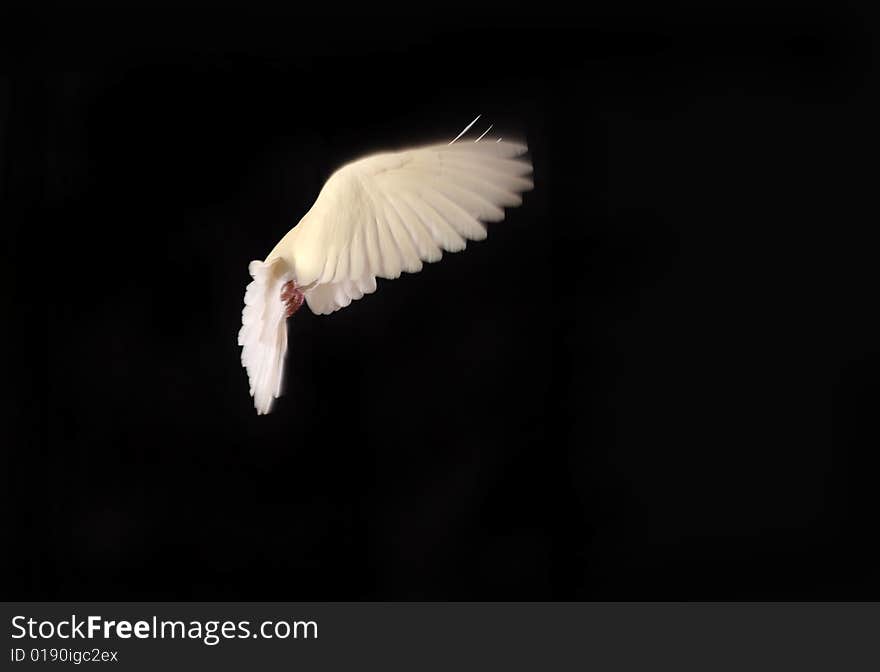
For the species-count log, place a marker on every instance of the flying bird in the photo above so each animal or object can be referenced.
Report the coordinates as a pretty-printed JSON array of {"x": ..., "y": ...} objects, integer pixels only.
[{"x": 374, "y": 218}]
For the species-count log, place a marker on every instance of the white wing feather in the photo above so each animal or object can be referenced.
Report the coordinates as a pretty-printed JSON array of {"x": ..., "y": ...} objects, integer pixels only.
[
  {"x": 376, "y": 217},
  {"x": 388, "y": 213},
  {"x": 263, "y": 333}
]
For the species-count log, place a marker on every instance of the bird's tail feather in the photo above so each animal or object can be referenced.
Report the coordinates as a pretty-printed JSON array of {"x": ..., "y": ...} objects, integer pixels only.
[{"x": 263, "y": 334}]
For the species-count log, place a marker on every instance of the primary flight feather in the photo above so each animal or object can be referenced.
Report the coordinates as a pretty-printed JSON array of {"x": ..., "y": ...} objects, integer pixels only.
[{"x": 375, "y": 217}]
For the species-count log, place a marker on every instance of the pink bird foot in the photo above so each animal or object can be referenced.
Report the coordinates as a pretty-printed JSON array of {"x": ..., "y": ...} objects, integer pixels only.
[{"x": 292, "y": 298}]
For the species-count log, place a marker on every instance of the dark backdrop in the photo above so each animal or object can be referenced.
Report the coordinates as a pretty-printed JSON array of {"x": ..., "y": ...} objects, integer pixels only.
[{"x": 657, "y": 379}]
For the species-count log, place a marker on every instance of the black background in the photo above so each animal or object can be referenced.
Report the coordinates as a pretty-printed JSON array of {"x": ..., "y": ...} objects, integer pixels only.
[{"x": 657, "y": 379}]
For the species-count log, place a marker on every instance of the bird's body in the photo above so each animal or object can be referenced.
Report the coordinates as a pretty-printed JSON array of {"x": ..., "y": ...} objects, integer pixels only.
[{"x": 374, "y": 218}]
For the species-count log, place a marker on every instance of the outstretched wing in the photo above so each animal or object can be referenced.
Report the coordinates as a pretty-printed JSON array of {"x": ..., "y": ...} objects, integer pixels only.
[{"x": 389, "y": 213}]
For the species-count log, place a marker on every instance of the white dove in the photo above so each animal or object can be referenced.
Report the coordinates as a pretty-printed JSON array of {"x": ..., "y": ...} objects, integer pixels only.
[{"x": 375, "y": 217}]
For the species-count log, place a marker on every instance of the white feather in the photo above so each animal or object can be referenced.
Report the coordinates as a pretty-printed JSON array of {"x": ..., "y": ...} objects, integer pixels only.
[
  {"x": 263, "y": 333},
  {"x": 375, "y": 217}
]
